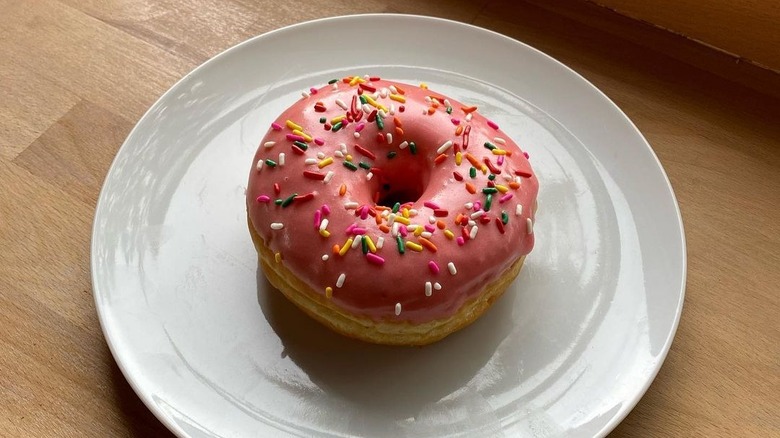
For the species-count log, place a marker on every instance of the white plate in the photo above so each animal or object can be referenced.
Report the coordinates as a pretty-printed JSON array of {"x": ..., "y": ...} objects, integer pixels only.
[{"x": 213, "y": 351}]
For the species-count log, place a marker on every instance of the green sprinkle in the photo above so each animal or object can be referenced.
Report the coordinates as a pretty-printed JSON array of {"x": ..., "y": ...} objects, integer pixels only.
[
  {"x": 473, "y": 172},
  {"x": 489, "y": 190},
  {"x": 365, "y": 245},
  {"x": 379, "y": 122},
  {"x": 279, "y": 201},
  {"x": 401, "y": 246},
  {"x": 350, "y": 166},
  {"x": 413, "y": 147},
  {"x": 289, "y": 200},
  {"x": 391, "y": 155},
  {"x": 488, "y": 201},
  {"x": 364, "y": 165},
  {"x": 270, "y": 162},
  {"x": 490, "y": 145},
  {"x": 396, "y": 207},
  {"x": 449, "y": 110},
  {"x": 492, "y": 176},
  {"x": 301, "y": 145},
  {"x": 336, "y": 127},
  {"x": 323, "y": 119},
  {"x": 363, "y": 99},
  {"x": 332, "y": 81},
  {"x": 504, "y": 217}
]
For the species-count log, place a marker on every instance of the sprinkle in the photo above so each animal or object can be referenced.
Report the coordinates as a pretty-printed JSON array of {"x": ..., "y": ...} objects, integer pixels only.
[
  {"x": 413, "y": 148},
  {"x": 337, "y": 126},
  {"x": 365, "y": 152},
  {"x": 499, "y": 152},
  {"x": 341, "y": 103},
  {"x": 461, "y": 241},
  {"x": 259, "y": 166},
  {"x": 281, "y": 158},
  {"x": 277, "y": 226},
  {"x": 473, "y": 233},
  {"x": 351, "y": 205},
  {"x": 304, "y": 94},
  {"x": 389, "y": 138},
  {"x": 401, "y": 246},
  {"x": 301, "y": 144},
  {"x": 302, "y": 198},
  {"x": 269, "y": 144},
  {"x": 519, "y": 210},
  {"x": 357, "y": 241},
  {"x": 278, "y": 257},
  {"x": 350, "y": 166},
  {"x": 270, "y": 163},
  {"x": 263, "y": 198},
  {"x": 440, "y": 159},
  {"x": 505, "y": 198},
  {"x": 323, "y": 224},
  {"x": 492, "y": 124},
  {"x": 428, "y": 289},
  {"x": 451, "y": 268},
  {"x": 276, "y": 127},
  {"x": 529, "y": 226},
  {"x": 375, "y": 259},
  {"x": 433, "y": 267},
  {"x": 397, "y": 309},
  {"x": 444, "y": 147},
  {"x": 328, "y": 292},
  {"x": 428, "y": 244},
  {"x": 289, "y": 200},
  {"x": 292, "y": 125},
  {"x": 347, "y": 245},
  {"x": 398, "y": 98},
  {"x": 403, "y": 145},
  {"x": 523, "y": 173},
  {"x": 328, "y": 176},
  {"x": 341, "y": 279},
  {"x": 391, "y": 155},
  {"x": 458, "y": 158},
  {"x": 325, "y": 257},
  {"x": 500, "y": 225},
  {"x": 470, "y": 188},
  {"x": 414, "y": 246},
  {"x": 370, "y": 243},
  {"x": 502, "y": 189},
  {"x": 469, "y": 109},
  {"x": 364, "y": 165},
  {"x": 310, "y": 161}
]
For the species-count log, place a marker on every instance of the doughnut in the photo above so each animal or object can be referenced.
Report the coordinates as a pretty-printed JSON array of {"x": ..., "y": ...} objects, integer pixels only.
[{"x": 388, "y": 212}]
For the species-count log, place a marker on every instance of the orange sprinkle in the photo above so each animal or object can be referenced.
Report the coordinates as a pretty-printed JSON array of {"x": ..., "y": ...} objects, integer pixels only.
[
  {"x": 378, "y": 219},
  {"x": 514, "y": 185},
  {"x": 428, "y": 244},
  {"x": 342, "y": 190},
  {"x": 440, "y": 158},
  {"x": 384, "y": 228},
  {"x": 399, "y": 89},
  {"x": 459, "y": 130},
  {"x": 397, "y": 122},
  {"x": 435, "y": 103},
  {"x": 470, "y": 187},
  {"x": 458, "y": 218},
  {"x": 431, "y": 110},
  {"x": 469, "y": 109},
  {"x": 440, "y": 224},
  {"x": 336, "y": 249},
  {"x": 399, "y": 131},
  {"x": 474, "y": 162}
]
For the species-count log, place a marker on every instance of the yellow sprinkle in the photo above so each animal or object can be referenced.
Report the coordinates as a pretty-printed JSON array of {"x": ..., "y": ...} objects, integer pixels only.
[
  {"x": 326, "y": 162},
  {"x": 370, "y": 243},
  {"x": 324, "y": 233},
  {"x": 458, "y": 158},
  {"x": 335, "y": 120},
  {"x": 402, "y": 220},
  {"x": 405, "y": 212},
  {"x": 305, "y": 136},
  {"x": 499, "y": 152},
  {"x": 346, "y": 247},
  {"x": 419, "y": 230},
  {"x": 356, "y": 80},
  {"x": 292, "y": 125},
  {"x": 450, "y": 235},
  {"x": 398, "y": 98},
  {"x": 502, "y": 189},
  {"x": 278, "y": 257},
  {"x": 423, "y": 85},
  {"x": 348, "y": 157},
  {"x": 484, "y": 170},
  {"x": 414, "y": 246},
  {"x": 328, "y": 292},
  {"x": 374, "y": 103}
]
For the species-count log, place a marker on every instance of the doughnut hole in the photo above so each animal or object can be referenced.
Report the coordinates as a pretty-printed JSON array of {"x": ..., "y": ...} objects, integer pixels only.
[{"x": 402, "y": 181}]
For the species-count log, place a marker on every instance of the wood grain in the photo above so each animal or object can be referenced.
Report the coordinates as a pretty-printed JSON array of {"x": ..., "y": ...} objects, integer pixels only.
[{"x": 76, "y": 76}]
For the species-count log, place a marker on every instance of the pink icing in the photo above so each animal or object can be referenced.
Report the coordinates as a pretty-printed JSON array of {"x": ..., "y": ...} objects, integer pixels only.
[{"x": 375, "y": 283}]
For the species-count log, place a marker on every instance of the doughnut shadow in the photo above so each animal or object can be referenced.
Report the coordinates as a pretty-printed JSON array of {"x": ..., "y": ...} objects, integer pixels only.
[{"x": 384, "y": 383}]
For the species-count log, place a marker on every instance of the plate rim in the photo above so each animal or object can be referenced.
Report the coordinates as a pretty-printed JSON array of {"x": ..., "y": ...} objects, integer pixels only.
[{"x": 168, "y": 422}]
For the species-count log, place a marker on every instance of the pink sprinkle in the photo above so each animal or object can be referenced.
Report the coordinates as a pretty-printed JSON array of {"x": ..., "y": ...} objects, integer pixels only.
[
  {"x": 505, "y": 198},
  {"x": 430, "y": 228},
  {"x": 460, "y": 241},
  {"x": 431, "y": 204},
  {"x": 403, "y": 230},
  {"x": 317, "y": 219},
  {"x": 325, "y": 209},
  {"x": 455, "y": 121},
  {"x": 500, "y": 160},
  {"x": 375, "y": 259},
  {"x": 358, "y": 231},
  {"x": 360, "y": 127},
  {"x": 525, "y": 154},
  {"x": 263, "y": 198},
  {"x": 276, "y": 127},
  {"x": 313, "y": 90},
  {"x": 477, "y": 206},
  {"x": 492, "y": 124},
  {"x": 364, "y": 212},
  {"x": 319, "y": 141},
  {"x": 433, "y": 267},
  {"x": 293, "y": 137},
  {"x": 350, "y": 228}
]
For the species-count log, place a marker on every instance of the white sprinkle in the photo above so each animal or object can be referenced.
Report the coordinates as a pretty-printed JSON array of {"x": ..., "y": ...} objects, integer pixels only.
[
  {"x": 437, "y": 286},
  {"x": 397, "y": 309},
  {"x": 341, "y": 103},
  {"x": 385, "y": 213},
  {"x": 320, "y": 155},
  {"x": 380, "y": 243},
  {"x": 499, "y": 140},
  {"x": 383, "y": 92},
  {"x": 394, "y": 230},
  {"x": 304, "y": 94},
  {"x": 519, "y": 210},
  {"x": 356, "y": 134},
  {"x": 431, "y": 220},
  {"x": 392, "y": 109},
  {"x": 343, "y": 147},
  {"x": 393, "y": 89},
  {"x": 325, "y": 257},
  {"x": 529, "y": 225},
  {"x": 468, "y": 117},
  {"x": 375, "y": 96},
  {"x": 391, "y": 219},
  {"x": 507, "y": 177},
  {"x": 382, "y": 113},
  {"x": 259, "y": 165},
  {"x": 367, "y": 108},
  {"x": 357, "y": 240},
  {"x": 324, "y": 225},
  {"x": 473, "y": 233},
  {"x": 277, "y": 226},
  {"x": 477, "y": 214},
  {"x": 281, "y": 158},
  {"x": 351, "y": 205},
  {"x": 443, "y": 148},
  {"x": 366, "y": 77},
  {"x": 403, "y": 144},
  {"x": 472, "y": 223},
  {"x": 469, "y": 205},
  {"x": 310, "y": 161},
  {"x": 447, "y": 102},
  {"x": 369, "y": 175},
  {"x": 334, "y": 86},
  {"x": 428, "y": 289},
  {"x": 339, "y": 154},
  {"x": 340, "y": 281},
  {"x": 269, "y": 144},
  {"x": 426, "y": 234},
  {"x": 518, "y": 180},
  {"x": 328, "y": 177},
  {"x": 451, "y": 267},
  {"x": 389, "y": 138},
  {"x": 412, "y": 212},
  {"x": 411, "y": 228}
]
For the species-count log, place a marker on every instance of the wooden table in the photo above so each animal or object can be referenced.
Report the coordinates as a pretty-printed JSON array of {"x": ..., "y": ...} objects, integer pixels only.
[{"x": 75, "y": 75}]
